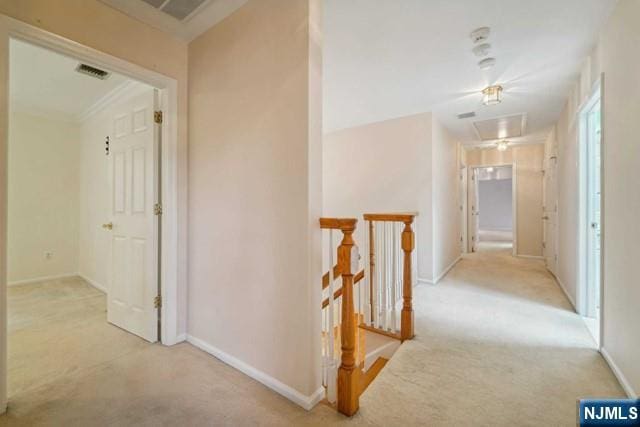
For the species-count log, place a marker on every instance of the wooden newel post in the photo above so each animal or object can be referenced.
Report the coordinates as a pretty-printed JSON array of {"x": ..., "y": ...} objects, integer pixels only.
[
  {"x": 348, "y": 374},
  {"x": 406, "y": 319}
]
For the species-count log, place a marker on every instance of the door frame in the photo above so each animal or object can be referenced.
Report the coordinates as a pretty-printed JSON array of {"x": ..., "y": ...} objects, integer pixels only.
[
  {"x": 514, "y": 204},
  {"x": 172, "y": 262},
  {"x": 464, "y": 199},
  {"x": 595, "y": 95}
]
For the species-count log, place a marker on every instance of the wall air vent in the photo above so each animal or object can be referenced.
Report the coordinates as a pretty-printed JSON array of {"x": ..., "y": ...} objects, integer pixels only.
[
  {"x": 467, "y": 115},
  {"x": 92, "y": 71}
]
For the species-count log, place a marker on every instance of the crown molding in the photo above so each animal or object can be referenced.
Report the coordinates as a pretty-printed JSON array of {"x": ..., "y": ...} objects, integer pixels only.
[
  {"x": 119, "y": 91},
  {"x": 126, "y": 88}
]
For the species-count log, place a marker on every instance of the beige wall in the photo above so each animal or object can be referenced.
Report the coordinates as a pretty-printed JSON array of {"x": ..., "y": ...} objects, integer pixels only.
[
  {"x": 568, "y": 203},
  {"x": 255, "y": 192},
  {"x": 616, "y": 55},
  {"x": 382, "y": 167},
  {"x": 408, "y": 164},
  {"x": 446, "y": 202},
  {"x": 98, "y": 26},
  {"x": 93, "y": 241},
  {"x": 43, "y": 197},
  {"x": 621, "y": 66},
  {"x": 529, "y": 162}
]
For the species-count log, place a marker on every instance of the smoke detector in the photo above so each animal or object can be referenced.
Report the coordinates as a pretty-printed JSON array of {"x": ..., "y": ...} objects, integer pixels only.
[
  {"x": 487, "y": 63},
  {"x": 88, "y": 70},
  {"x": 482, "y": 49},
  {"x": 480, "y": 35}
]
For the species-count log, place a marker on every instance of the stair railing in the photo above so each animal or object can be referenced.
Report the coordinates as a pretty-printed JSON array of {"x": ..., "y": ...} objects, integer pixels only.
[
  {"x": 390, "y": 274},
  {"x": 368, "y": 300}
]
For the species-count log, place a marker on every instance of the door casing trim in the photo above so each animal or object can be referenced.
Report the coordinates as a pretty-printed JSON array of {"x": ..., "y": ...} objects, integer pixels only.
[{"x": 172, "y": 262}]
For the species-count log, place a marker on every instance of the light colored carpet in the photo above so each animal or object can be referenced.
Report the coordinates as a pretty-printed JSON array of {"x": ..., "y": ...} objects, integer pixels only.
[
  {"x": 69, "y": 367},
  {"x": 497, "y": 344}
]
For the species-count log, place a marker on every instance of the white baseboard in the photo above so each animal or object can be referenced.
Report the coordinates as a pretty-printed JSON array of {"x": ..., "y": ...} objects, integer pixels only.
[
  {"x": 619, "y": 375},
  {"x": 423, "y": 281},
  {"x": 181, "y": 338},
  {"x": 42, "y": 279},
  {"x": 447, "y": 270},
  {"x": 93, "y": 283},
  {"x": 307, "y": 402},
  {"x": 566, "y": 293}
]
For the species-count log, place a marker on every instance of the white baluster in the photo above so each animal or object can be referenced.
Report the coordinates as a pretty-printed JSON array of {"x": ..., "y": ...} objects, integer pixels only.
[
  {"x": 367, "y": 279},
  {"x": 376, "y": 277},
  {"x": 394, "y": 283},
  {"x": 332, "y": 367},
  {"x": 385, "y": 274}
]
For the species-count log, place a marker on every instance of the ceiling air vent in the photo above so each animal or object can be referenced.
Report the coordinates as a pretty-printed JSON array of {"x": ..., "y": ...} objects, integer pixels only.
[
  {"x": 467, "y": 115},
  {"x": 92, "y": 71},
  {"x": 179, "y": 9}
]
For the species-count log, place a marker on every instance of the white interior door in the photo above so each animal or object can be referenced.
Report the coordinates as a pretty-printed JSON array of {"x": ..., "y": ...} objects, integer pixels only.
[
  {"x": 474, "y": 210},
  {"x": 550, "y": 213},
  {"x": 593, "y": 211},
  {"x": 133, "y": 167}
]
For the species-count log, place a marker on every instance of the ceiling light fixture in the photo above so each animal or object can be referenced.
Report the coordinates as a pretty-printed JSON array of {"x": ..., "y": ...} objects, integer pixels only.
[
  {"x": 481, "y": 50},
  {"x": 502, "y": 145},
  {"x": 487, "y": 63},
  {"x": 492, "y": 95}
]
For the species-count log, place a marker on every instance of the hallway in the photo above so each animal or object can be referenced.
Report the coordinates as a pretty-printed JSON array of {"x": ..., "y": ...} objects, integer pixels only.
[{"x": 497, "y": 343}]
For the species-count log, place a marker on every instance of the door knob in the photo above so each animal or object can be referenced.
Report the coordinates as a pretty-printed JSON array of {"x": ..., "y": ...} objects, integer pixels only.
[
  {"x": 108, "y": 226},
  {"x": 545, "y": 217}
]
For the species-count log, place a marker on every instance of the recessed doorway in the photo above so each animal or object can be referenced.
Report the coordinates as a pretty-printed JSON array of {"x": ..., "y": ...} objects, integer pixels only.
[
  {"x": 491, "y": 213},
  {"x": 590, "y": 248},
  {"x": 159, "y": 92}
]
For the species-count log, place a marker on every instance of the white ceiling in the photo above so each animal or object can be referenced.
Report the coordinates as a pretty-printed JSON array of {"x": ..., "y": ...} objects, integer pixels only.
[
  {"x": 46, "y": 83},
  {"x": 390, "y": 58}
]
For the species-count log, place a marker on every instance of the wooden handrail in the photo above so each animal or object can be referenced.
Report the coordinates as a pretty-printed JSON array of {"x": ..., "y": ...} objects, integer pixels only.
[
  {"x": 338, "y": 223},
  {"x": 358, "y": 277},
  {"x": 397, "y": 217},
  {"x": 325, "y": 278}
]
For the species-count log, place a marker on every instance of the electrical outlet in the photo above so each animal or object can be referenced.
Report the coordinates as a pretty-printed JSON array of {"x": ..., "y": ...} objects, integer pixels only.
[{"x": 48, "y": 255}]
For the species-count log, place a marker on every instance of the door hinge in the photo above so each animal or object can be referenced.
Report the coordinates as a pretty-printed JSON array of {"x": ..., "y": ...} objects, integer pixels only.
[
  {"x": 157, "y": 209},
  {"x": 157, "y": 301},
  {"x": 157, "y": 117}
]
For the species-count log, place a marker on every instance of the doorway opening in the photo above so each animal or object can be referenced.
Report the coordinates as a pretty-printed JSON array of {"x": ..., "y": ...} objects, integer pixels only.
[
  {"x": 491, "y": 213},
  {"x": 82, "y": 235},
  {"x": 590, "y": 250}
]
